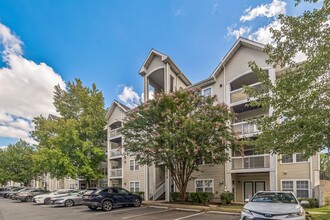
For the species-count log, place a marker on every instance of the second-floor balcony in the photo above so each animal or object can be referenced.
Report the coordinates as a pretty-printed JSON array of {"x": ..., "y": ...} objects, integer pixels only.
[
  {"x": 245, "y": 128},
  {"x": 250, "y": 162},
  {"x": 116, "y": 152},
  {"x": 115, "y": 133},
  {"x": 116, "y": 172}
]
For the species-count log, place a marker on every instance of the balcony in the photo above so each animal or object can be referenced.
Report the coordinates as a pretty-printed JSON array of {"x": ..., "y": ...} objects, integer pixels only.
[
  {"x": 245, "y": 128},
  {"x": 250, "y": 162},
  {"x": 115, "y": 133},
  {"x": 116, "y": 172},
  {"x": 116, "y": 152},
  {"x": 238, "y": 95}
]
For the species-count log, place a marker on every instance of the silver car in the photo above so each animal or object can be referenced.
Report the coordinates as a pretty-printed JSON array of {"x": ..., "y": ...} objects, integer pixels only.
[
  {"x": 273, "y": 205},
  {"x": 72, "y": 199}
]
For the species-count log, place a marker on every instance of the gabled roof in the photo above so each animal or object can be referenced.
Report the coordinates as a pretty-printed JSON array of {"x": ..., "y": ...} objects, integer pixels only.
[
  {"x": 165, "y": 59},
  {"x": 52, "y": 117},
  {"x": 113, "y": 105},
  {"x": 239, "y": 43}
]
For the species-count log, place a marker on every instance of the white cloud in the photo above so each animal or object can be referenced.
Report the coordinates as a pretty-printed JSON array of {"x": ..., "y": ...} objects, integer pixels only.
[
  {"x": 263, "y": 34},
  {"x": 26, "y": 88},
  {"x": 268, "y": 10},
  {"x": 238, "y": 32},
  {"x": 129, "y": 97}
]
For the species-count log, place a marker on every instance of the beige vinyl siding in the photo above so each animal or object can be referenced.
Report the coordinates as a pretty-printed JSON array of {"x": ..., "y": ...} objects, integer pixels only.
[
  {"x": 219, "y": 90},
  {"x": 117, "y": 115},
  {"x": 239, "y": 63},
  {"x": 128, "y": 175},
  {"x": 156, "y": 63},
  {"x": 216, "y": 172}
]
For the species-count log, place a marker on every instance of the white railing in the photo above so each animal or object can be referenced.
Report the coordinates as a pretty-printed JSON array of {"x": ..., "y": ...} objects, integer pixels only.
[
  {"x": 250, "y": 162},
  {"x": 116, "y": 172},
  {"x": 244, "y": 127},
  {"x": 239, "y": 95},
  {"x": 116, "y": 152},
  {"x": 115, "y": 133},
  {"x": 159, "y": 191}
]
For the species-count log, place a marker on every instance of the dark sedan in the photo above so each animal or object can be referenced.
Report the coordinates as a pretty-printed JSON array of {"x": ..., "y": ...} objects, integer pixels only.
[{"x": 107, "y": 198}]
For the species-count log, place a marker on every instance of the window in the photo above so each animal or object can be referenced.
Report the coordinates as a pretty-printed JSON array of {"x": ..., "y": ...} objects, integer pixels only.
[
  {"x": 203, "y": 160},
  {"x": 207, "y": 91},
  {"x": 299, "y": 187},
  {"x": 204, "y": 185},
  {"x": 134, "y": 186},
  {"x": 134, "y": 165},
  {"x": 287, "y": 158},
  {"x": 294, "y": 158},
  {"x": 300, "y": 158}
]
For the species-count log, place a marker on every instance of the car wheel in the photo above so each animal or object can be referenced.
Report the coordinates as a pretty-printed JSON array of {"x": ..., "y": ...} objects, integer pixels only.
[
  {"x": 28, "y": 199},
  {"x": 47, "y": 201},
  {"x": 92, "y": 208},
  {"x": 137, "y": 202},
  {"x": 69, "y": 203},
  {"x": 106, "y": 205}
]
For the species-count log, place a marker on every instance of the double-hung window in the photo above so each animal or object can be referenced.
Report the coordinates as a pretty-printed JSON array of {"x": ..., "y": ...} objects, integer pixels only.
[
  {"x": 207, "y": 91},
  {"x": 134, "y": 186},
  {"x": 299, "y": 187},
  {"x": 204, "y": 185},
  {"x": 134, "y": 165},
  {"x": 294, "y": 158}
]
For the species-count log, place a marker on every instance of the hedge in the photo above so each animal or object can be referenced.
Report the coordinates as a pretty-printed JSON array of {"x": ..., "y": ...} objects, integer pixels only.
[
  {"x": 194, "y": 197},
  {"x": 313, "y": 203}
]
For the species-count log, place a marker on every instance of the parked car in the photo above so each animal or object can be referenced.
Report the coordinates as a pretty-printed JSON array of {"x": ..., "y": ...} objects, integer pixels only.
[
  {"x": 5, "y": 192},
  {"x": 72, "y": 199},
  {"x": 27, "y": 195},
  {"x": 273, "y": 205},
  {"x": 45, "y": 198},
  {"x": 12, "y": 194},
  {"x": 110, "y": 197}
]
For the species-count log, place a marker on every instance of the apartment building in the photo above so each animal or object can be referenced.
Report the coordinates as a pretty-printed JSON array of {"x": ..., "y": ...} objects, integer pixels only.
[{"x": 242, "y": 175}]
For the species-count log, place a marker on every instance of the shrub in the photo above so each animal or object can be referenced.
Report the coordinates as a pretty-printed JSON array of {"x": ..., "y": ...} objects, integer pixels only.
[
  {"x": 205, "y": 197},
  {"x": 313, "y": 203},
  {"x": 226, "y": 197},
  {"x": 194, "y": 197},
  {"x": 175, "y": 196}
]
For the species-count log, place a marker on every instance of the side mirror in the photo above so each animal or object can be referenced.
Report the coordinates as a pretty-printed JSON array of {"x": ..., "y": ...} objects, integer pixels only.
[
  {"x": 304, "y": 202},
  {"x": 246, "y": 200}
]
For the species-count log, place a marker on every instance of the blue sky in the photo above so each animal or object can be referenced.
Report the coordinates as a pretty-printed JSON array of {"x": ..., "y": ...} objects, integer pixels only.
[{"x": 106, "y": 42}]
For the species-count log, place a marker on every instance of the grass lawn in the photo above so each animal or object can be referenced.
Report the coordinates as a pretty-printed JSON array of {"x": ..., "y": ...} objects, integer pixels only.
[{"x": 322, "y": 213}]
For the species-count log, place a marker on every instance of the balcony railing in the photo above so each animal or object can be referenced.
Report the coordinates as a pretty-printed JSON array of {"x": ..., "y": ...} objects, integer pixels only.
[
  {"x": 116, "y": 172},
  {"x": 250, "y": 162},
  {"x": 244, "y": 127},
  {"x": 115, "y": 133},
  {"x": 116, "y": 152},
  {"x": 239, "y": 95}
]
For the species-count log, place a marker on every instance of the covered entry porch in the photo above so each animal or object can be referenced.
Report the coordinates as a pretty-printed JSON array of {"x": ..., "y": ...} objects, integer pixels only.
[{"x": 245, "y": 185}]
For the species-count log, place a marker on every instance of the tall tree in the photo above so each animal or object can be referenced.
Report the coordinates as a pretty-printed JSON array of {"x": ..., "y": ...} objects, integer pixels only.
[
  {"x": 177, "y": 130},
  {"x": 16, "y": 163},
  {"x": 300, "y": 98},
  {"x": 71, "y": 145}
]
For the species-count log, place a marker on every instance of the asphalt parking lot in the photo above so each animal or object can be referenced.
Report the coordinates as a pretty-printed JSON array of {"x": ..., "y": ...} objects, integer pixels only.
[{"x": 14, "y": 210}]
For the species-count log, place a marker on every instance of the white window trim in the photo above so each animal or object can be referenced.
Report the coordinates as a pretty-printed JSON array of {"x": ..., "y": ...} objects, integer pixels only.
[
  {"x": 134, "y": 186},
  {"x": 134, "y": 165},
  {"x": 210, "y": 87},
  {"x": 203, "y": 184},
  {"x": 295, "y": 185},
  {"x": 294, "y": 160}
]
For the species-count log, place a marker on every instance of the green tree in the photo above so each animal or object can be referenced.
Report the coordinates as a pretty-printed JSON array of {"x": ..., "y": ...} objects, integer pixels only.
[
  {"x": 16, "y": 163},
  {"x": 177, "y": 130},
  {"x": 300, "y": 98},
  {"x": 71, "y": 145}
]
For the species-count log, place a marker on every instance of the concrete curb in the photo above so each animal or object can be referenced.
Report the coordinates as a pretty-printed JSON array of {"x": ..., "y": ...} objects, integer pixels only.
[{"x": 162, "y": 206}]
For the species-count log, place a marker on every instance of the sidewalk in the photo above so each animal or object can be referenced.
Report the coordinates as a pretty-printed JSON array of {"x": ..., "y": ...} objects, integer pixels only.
[{"x": 195, "y": 208}]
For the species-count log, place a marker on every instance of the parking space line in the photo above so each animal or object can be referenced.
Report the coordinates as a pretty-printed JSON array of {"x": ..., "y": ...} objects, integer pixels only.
[
  {"x": 134, "y": 216},
  {"x": 189, "y": 216},
  {"x": 121, "y": 210}
]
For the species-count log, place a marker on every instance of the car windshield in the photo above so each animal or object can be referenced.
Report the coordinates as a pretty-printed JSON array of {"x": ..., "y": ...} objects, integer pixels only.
[
  {"x": 276, "y": 197},
  {"x": 90, "y": 192}
]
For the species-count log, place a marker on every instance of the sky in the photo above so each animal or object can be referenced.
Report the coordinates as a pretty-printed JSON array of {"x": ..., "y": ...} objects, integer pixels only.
[{"x": 44, "y": 43}]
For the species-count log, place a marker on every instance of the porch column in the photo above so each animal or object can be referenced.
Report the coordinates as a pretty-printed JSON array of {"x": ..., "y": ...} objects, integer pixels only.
[
  {"x": 146, "y": 88},
  {"x": 167, "y": 185},
  {"x": 146, "y": 183}
]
